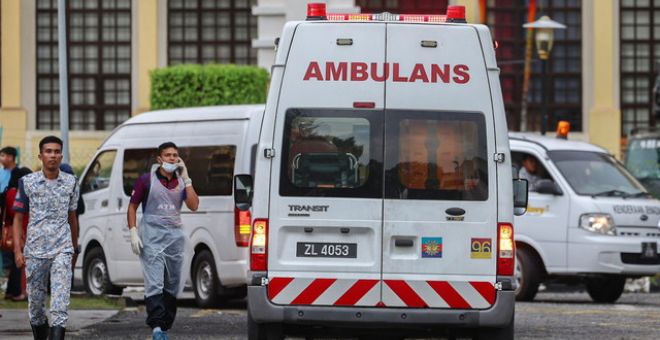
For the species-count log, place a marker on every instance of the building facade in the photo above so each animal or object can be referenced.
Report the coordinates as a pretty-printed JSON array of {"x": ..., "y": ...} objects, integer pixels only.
[{"x": 602, "y": 69}]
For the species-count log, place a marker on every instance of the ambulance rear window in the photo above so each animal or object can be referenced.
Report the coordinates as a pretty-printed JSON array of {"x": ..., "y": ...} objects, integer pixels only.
[
  {"x": 436, "y": 156},
  {"x": 332, "y": 153}
]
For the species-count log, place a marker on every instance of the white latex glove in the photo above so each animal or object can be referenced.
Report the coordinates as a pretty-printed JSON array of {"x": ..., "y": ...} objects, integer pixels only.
[
  {"x": 183, "y": 171},
  {"x": 136, "y": 243}
]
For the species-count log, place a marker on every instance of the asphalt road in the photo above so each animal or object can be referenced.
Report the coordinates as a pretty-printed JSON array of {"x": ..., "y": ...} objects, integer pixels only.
[{"x": 551, "y": 316}]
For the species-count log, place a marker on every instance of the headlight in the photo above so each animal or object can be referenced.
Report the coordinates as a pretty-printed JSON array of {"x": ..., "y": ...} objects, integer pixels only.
[{"x": 598, "y": 223}]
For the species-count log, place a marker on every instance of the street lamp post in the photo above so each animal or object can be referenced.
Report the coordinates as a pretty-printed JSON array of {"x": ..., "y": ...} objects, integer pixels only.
[{"x": 544, "y": 37}]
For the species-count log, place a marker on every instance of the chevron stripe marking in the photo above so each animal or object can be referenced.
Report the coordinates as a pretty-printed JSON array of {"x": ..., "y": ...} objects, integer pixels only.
[
  {"x": 405, "y": 293},
  {"x": 449, "y": 294},
  {"x": 355, "y": 293},
  {"x": 276, "y": 285},
  {"x": 486, "y": 290},
  {"x": 313, "y": 291}
]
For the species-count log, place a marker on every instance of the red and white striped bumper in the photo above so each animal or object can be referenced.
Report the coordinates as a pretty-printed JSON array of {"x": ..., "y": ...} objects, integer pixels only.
[{"x": 395, "y": 293}]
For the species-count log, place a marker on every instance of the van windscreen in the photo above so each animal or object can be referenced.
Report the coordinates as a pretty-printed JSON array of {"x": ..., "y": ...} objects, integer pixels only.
[{"x": 595, "y": 173}]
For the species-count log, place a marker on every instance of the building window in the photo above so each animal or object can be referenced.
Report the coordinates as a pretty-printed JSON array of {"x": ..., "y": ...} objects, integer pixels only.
[
  {"x": 403, "y": 6},
  {"x": 506, "y": 17},
  {"x": 640, "y": 50},
  {"x": 211, "y": 31},
  {"x": 99, "y": 53}
]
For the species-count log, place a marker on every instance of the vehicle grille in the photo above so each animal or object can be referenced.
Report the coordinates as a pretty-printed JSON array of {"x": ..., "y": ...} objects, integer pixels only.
[
  {"x": 638, "y": 232},
  {"x": 636, "y": 258}
]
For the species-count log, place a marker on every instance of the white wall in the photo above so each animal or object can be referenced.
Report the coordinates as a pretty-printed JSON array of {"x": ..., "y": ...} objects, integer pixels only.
[{"x": 273, "y": 14}]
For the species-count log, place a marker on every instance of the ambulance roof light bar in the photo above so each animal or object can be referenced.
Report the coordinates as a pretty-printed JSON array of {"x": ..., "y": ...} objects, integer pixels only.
[{"x": 317, "y": 11}]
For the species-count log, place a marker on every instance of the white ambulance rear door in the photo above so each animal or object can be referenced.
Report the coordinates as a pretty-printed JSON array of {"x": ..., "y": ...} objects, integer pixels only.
[
  {"x": 440, "y": 207},
  {"x": 325, "y": 212}
]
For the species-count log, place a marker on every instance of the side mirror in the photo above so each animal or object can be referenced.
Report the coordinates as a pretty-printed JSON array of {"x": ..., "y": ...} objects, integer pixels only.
[
  {"x": 243, "y": 191},
  {"x": 519, "y": 196},
  {"x": 547, "y": 186}
]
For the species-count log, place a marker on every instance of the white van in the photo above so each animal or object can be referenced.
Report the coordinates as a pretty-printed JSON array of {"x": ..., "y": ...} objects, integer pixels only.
[
  {"x": 588, "y": 219},
  {"x": 382, "y": 195},
  {"x": 215, "y": 143}
]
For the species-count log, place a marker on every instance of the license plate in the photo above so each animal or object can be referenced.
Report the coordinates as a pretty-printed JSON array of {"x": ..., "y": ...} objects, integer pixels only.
[
  {"x": 322, "y": 249},
  {"x": 649, "y": 250}
]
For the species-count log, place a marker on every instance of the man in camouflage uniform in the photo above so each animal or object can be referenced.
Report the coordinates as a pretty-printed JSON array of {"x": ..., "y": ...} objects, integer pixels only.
[{"x": 50, "y": 196}]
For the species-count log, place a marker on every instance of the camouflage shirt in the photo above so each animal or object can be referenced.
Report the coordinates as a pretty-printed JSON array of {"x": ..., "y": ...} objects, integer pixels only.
[{"x": 48, "y": 203}]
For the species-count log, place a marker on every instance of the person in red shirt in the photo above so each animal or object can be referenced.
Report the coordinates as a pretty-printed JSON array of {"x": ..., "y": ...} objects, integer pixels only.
[{"x": 16, "y": 284}]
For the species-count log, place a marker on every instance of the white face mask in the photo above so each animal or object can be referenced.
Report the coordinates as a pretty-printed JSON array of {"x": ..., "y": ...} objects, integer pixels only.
[{"x": 169, "y": 167}]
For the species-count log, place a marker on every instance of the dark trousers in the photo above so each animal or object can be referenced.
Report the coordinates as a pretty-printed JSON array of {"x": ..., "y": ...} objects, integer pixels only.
[
  {"x": 161, "y": 310},
  {"x": 14, "y": 280}
]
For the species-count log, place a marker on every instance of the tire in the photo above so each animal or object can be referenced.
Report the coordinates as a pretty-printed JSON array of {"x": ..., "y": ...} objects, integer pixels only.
[
  {"x": 605, "y": 289},
  {"x": 95, "y": 274},
  {"x": 505, "y": 333},
  {"x": 205, "y": 280},
  {"x": 260, "y": 331},
  {"x": 528, "y": 274}
]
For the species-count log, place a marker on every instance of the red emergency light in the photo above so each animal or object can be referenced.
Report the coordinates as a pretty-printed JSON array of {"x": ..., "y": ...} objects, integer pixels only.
[
  {"x": 456, "y": 14},
  {"x": 316, "y": 11}
]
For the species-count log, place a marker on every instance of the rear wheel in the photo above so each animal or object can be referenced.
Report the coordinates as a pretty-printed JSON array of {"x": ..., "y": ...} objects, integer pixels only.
[
  {"x": 605, "y": 289},
  {"x": 528, "y": 274},
  {"x": 205, "y": 280},
  {"x": 261, "y": 331},
  {"x": 95, "y": 274}
]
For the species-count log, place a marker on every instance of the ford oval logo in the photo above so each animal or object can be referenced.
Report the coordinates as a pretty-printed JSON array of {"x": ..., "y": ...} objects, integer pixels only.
[{"x": 643, "y": 217}]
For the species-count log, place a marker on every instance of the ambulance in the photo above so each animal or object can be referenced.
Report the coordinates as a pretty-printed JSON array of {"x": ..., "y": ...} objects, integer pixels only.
[
  {"x": 382, "y": 199},
  {"x": 588, "y": 220}
]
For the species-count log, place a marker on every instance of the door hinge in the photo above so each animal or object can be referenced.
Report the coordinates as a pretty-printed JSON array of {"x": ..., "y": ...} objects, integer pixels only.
[
  {"x": 498, "y": 285},
  {"x": 499, "y": 157},
  {"x": 269, "y": 152},
  {"x": 264, "y": 281}
]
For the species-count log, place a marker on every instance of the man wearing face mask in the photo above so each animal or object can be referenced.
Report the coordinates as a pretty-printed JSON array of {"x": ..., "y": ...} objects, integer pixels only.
[{"x": 159, "y": 239}]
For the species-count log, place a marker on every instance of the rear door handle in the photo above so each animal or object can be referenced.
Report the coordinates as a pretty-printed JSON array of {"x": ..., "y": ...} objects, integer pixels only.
[
  {"x": 104, "y": 203},
  {"x": 119, "y": 203},
  {"x": 403, "y": 242}
]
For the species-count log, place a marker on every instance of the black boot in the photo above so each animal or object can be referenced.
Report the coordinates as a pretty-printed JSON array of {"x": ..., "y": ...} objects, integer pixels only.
[
  {"x": 56, "y": 333},
  {"x": 40, "y": 332}
]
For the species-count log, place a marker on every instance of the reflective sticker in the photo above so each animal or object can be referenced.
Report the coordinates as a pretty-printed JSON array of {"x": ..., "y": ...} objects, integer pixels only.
[
  {"x": 481, "y": 248},
  {"x": 535, "y": 210},
  {"x": 431, "y": 247}
]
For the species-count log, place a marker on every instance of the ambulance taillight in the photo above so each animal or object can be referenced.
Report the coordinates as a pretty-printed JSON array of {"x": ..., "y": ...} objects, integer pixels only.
[
  {"x": 259, "y": 245},
  {"x": 316, "y": 11},
  {"x": 242, "y": 223},
  {"x": 506, "y": 250}
]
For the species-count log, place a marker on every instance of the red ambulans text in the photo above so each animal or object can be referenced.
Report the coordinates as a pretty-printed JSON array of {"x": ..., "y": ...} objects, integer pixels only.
[{"x": 360, "y": 71}]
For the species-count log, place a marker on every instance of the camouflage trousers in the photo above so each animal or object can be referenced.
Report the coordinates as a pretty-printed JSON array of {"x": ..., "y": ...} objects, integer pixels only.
[{"x": 38, "y": 271}]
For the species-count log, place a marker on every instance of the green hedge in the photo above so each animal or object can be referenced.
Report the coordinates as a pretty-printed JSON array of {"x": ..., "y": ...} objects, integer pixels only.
[{"x": 204, "y": 85}]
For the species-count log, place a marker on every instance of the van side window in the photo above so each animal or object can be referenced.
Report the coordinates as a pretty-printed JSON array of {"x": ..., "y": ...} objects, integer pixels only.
[
  {"x": 99, "y": 173},
  {"x": 436, "y": 155},
  {"x": 211, "y": 168},
  {"x": 331, "y": 153},
  {"x": 136, "y": 163},
  {"x": 527, "y": 166}
]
